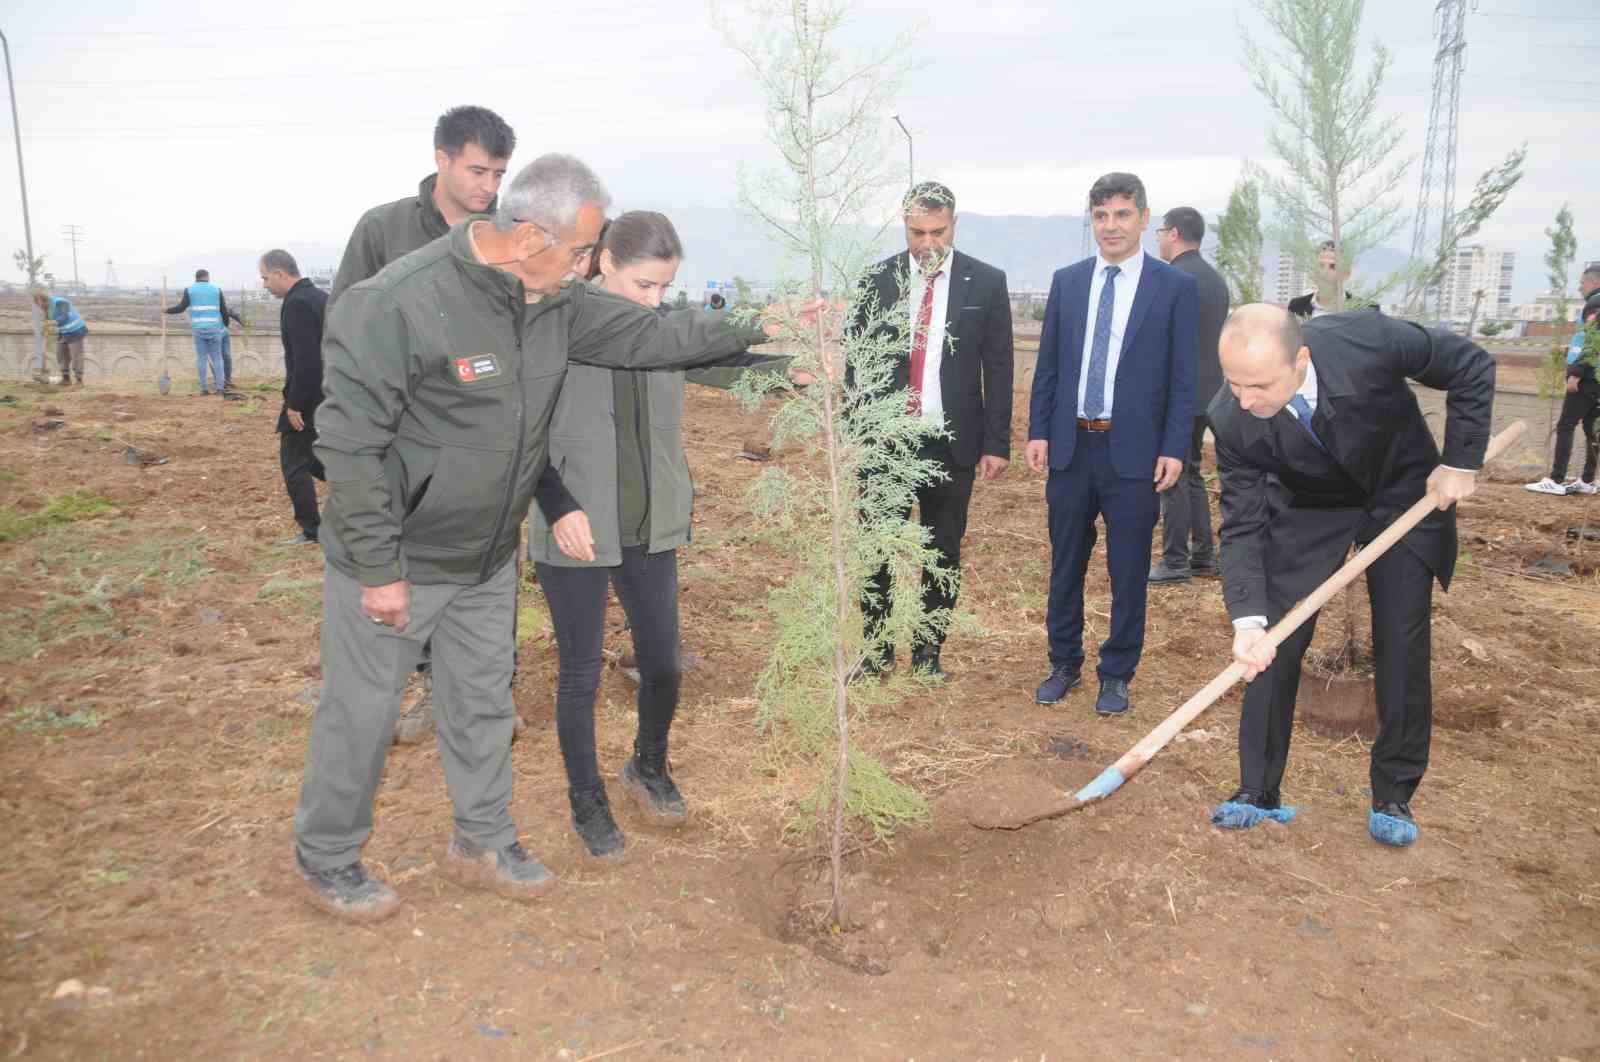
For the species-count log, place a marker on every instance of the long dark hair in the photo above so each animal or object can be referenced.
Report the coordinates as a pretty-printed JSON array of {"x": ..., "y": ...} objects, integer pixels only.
[{"x": 636, "y": 235}]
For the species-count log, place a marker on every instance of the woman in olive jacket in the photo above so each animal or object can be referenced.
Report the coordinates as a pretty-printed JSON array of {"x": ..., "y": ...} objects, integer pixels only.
[{"x": 616, "y": 442}]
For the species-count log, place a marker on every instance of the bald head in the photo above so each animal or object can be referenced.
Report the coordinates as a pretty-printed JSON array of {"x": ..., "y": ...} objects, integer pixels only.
[{"x": 1264, "y": 357}]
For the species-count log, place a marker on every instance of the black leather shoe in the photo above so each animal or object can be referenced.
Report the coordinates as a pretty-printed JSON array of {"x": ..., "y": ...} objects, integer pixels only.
[
  {"x": 1056, "y": 685},
  {"x": 1162, "y": 573},
  {"x": 925, "y": 664},
  {"x": 1394, "y": 810},
  {"x": 1113, "y": 699},
  {"x": 1204, "y": 566},
  {"x": 1256, "y": 799}
]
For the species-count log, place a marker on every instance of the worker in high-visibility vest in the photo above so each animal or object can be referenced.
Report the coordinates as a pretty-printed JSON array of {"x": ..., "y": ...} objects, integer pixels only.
[
  {"x": 208, "y": 315},
  {"x": 70, "y": 331}
]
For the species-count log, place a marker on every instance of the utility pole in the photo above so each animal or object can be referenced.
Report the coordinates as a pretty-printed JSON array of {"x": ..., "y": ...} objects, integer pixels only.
[
  {"x": 73, "y": 234},
  {"x": 27, "y": 225},
  {"x": 911, "y": 159}
]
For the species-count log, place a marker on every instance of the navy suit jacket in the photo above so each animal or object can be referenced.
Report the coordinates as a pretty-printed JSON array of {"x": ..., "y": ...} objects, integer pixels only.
[{"x": 1153, "y": 397}]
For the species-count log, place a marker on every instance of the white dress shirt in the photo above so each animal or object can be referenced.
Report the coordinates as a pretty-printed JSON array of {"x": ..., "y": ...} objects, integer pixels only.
[
  {"x": 932, "y": 396},
  {"x": 1127, "y": 285}
]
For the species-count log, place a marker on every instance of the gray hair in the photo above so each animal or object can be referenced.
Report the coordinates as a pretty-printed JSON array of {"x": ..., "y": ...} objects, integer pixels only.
[
  {"x": 278, "y": 260},
  {"x": 549, "y": 191}
]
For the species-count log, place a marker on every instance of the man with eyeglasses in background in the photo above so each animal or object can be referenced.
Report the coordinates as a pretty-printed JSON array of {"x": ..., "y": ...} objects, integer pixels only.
[{"x": 1187, "y": 548}]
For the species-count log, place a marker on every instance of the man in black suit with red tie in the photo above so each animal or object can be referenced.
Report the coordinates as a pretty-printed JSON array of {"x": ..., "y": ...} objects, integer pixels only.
[
  {"x": 958, "y": 370},
  {"x": 1320, "y": 446}
]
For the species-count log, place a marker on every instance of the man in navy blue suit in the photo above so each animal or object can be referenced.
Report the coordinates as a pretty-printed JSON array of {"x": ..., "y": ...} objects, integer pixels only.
[{"x": 1110, "y": 418}]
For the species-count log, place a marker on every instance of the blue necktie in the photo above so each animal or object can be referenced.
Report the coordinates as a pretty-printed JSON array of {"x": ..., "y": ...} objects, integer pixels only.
[
  {"x": 1302, "y": 413},
  {"x": 1094, "y": 391}
]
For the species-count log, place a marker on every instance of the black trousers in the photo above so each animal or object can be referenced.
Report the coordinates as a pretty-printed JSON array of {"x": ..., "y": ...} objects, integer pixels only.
[
  {"x": 300, "y": 466},
  {"x": 1578, "y": 408},
  {"x": 1304, "y": 547},
  {"x": 647, "y": 586},
  {"x": 942, "y": 509},
  {"x": 1186, "y": 512}
]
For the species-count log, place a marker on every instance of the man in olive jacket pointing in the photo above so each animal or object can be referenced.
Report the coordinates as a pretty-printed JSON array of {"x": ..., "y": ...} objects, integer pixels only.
[{"x": 440, "y": 377}]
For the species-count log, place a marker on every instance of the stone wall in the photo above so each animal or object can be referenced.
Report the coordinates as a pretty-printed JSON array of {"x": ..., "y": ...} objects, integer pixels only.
[{"x": 133, "y": 354}]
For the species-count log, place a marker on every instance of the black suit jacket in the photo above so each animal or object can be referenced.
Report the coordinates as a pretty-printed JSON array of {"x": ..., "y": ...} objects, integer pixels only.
[
  {"x": 1213, "y": 291},
  {"x": 1368, "y": 419},
  {"x": 300, "y": 324},
  {"x": 976, "y": 362}
]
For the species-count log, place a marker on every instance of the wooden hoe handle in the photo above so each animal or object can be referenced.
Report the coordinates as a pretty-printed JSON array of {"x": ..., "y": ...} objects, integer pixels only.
[{"x": 1135, "y": 758}]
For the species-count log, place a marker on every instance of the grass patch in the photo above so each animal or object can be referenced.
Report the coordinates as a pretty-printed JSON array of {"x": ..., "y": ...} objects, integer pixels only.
[
  {"x": 532, "y": 622},
  {"x": 48, "y": 719},
  {"x": 303, "y": 594},
  {"x": 66, "y": 509}
]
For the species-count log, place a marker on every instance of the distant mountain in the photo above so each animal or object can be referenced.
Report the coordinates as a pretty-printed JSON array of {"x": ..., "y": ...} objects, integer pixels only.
[{"x": 723, "y": 243}]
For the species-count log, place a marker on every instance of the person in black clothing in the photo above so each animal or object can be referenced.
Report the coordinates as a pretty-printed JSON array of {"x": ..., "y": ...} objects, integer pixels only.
[
  {"x": 1320, "y": 446},
  {"x": 1187, "y": 548},
  {"x": 617, "y": 438},
  {"x": 958, "y": 369},
  {"x": 300, "y": 323},
  {"x": 1328, "y": 276},
  {"x": 1580, "y": 406}
]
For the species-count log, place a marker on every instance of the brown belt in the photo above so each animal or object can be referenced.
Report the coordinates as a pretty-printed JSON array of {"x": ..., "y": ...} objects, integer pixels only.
[{"x": 1094, "y": 425}]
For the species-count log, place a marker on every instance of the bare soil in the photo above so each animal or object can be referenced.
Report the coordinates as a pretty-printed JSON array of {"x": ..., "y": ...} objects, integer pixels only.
[{"x": 159, "y": 666}]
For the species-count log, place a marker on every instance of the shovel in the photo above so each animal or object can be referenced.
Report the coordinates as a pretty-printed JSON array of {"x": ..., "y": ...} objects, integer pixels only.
[
  {"x": 991, "y": 814},
  {"x": 164, "y": 385}
]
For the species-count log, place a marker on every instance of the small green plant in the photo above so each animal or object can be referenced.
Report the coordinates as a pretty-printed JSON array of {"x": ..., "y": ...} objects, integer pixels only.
[
  {"x": 65, "y": 509},
  {"x": 847, "y": 519}
]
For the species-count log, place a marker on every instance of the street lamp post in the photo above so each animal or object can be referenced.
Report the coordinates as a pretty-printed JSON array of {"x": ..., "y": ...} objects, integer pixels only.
[
  {"x": 911, "y": 159},
  {"x": 27, "y": 224}
]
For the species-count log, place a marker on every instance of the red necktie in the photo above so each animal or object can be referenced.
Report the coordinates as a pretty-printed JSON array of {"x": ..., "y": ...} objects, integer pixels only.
[{"x": 919, "y": 346}]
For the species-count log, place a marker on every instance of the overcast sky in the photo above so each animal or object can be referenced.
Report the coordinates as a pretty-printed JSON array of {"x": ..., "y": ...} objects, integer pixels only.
[{"x": 166, "y": 128}]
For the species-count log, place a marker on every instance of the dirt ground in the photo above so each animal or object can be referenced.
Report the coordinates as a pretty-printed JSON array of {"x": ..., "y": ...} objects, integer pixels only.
[{"x": 159, "y": 664}]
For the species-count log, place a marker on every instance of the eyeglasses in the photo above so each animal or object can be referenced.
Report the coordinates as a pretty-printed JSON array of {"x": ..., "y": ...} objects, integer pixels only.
[
  {"x": 575, "y": 255},
  {"x": 1165, "y": 228}
]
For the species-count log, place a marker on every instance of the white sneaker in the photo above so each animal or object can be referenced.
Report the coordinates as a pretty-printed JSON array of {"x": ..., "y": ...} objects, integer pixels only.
[
  {"x": 1580, "y": 487},
  {"x": 1545, "y": 486}
]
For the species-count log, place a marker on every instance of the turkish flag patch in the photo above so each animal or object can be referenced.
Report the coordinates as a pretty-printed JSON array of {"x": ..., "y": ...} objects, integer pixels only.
[{"x": 475, "y": 367}]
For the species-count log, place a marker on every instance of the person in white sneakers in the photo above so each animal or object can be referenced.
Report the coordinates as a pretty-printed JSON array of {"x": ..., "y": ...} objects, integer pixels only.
[{"x": 1581, "y": 405}]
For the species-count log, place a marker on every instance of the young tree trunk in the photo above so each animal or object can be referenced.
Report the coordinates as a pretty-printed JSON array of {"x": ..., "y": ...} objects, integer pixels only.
[{"x": 837, "y": 499}]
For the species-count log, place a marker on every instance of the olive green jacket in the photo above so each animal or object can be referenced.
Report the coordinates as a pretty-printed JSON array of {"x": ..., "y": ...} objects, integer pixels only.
[
  {"x": 588, "y": 440},
  {"x": 440, "y": 380}
]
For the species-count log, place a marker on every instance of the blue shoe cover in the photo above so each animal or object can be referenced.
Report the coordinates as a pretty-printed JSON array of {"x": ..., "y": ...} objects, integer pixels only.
[
  {"x": 1386, "y": 829},
  {"x": 1231, "y": 816}
]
